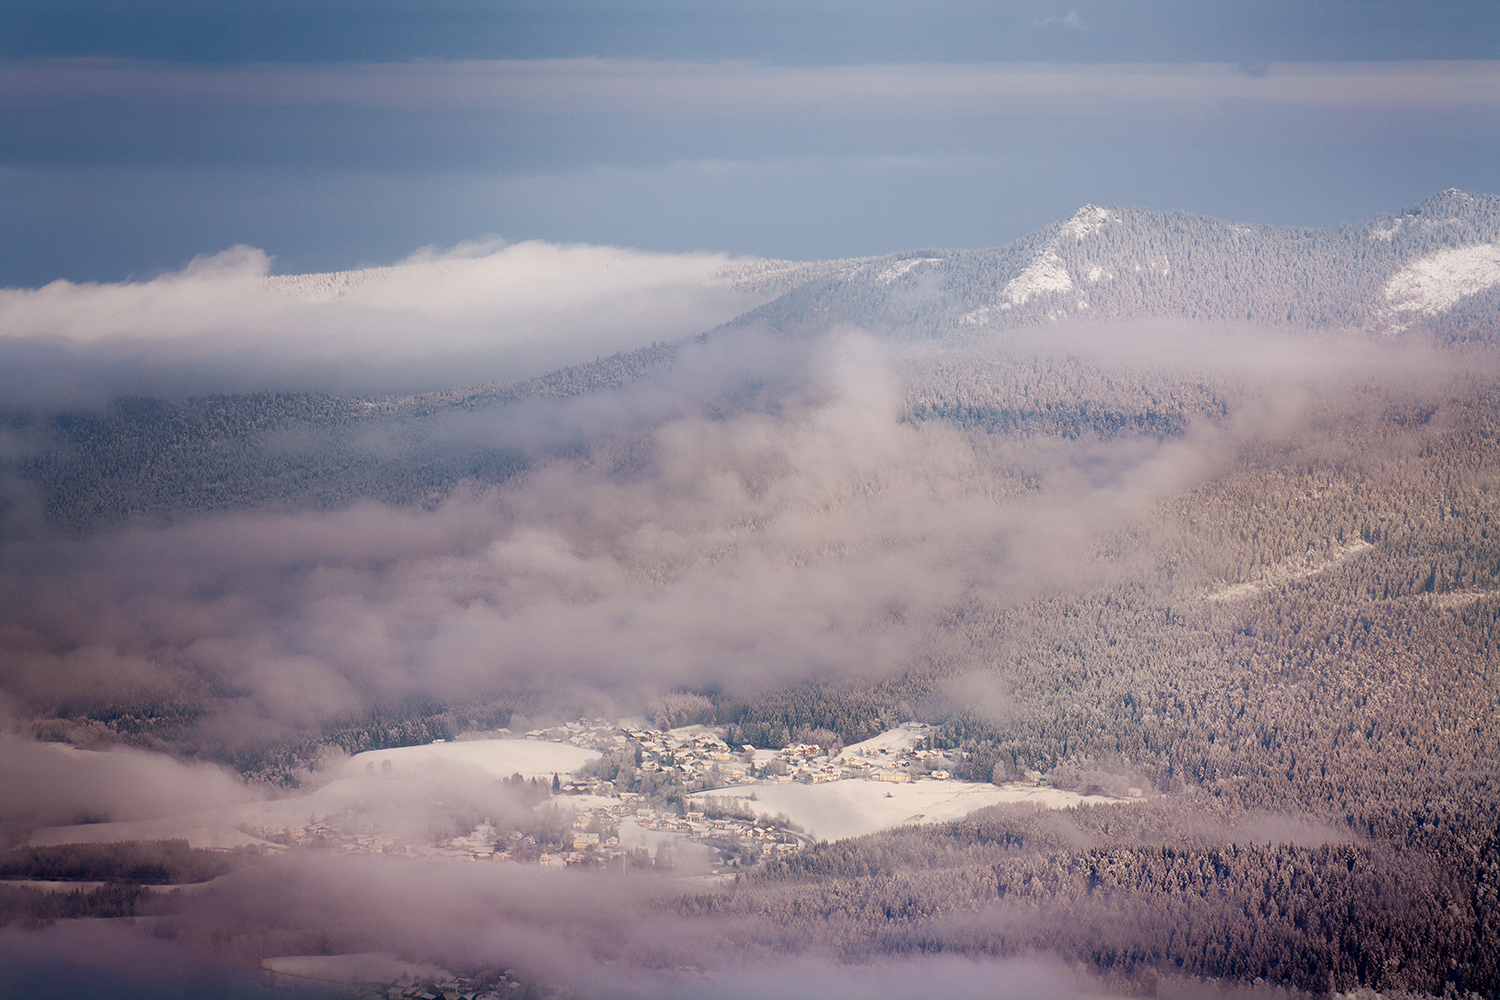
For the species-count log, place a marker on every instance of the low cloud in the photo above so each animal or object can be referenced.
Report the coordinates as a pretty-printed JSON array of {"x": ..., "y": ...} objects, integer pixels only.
[
  {"x": 478, "y": 312},
  {"x": 699, "y": 533},
  {"x": 813, "y": 533},
  {"x": 53, "y": 784},
  {"x": 601, "y": 936},
  {"x": 597, "y": 936},
  {"x": 1273, "y": 828}
]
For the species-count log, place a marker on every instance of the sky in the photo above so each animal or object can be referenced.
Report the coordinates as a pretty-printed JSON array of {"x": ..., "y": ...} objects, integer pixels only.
[{"x": 135, "y": 136}]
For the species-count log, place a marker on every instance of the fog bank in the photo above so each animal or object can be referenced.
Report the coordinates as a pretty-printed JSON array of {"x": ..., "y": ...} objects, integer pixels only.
[{"x": 473, "y": 313}]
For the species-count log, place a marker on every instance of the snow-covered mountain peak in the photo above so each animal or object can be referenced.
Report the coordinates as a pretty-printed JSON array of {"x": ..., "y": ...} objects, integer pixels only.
[
  {"x": 1086, "y": 220},
  {"x": 1046, "y": 272},
  {"x": 1431, "y": 270}
]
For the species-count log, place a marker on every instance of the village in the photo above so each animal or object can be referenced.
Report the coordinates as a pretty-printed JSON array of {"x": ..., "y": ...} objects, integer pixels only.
[{"x": 642, "y": 801}]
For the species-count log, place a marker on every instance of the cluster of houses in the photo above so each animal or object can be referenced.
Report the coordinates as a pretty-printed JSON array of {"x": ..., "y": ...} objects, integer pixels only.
[
  {"x": 446, "y": 986},
  {"x": 608, "y": 822},
  {"x": 698, "y": 754},
  {"x": 595, "y": 837},
  {"x": 701, "y": 759},
  {"x": 761, "y": 835}
]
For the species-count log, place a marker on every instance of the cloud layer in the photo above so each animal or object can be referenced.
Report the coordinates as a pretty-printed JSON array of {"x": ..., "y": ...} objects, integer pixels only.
[
  {"x": 115, "y": 167},
  {"x": 710, "y": 90},
  {"x": 53, "y": 784},
  {"x": 476, "y": 313},
  {"x": 596, "y": 936},
  {"x": 759, "y": 515},
  {"x": 813, "y": 533}
]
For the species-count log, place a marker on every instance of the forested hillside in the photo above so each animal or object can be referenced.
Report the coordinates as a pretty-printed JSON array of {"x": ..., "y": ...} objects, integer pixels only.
[
  {"x": 1107, "y": 264},
  {"x": 155, "y": 459},
  {"x": 1148, "y": 899},
  {"x": 1301, "y": 655}
]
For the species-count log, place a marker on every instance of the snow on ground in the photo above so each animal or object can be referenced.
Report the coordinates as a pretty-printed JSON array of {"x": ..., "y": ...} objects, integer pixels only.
[
  {"x": 498, "y": 758},
  {"x": 1289, "y": 571},
  {"x": 761, "y": 758},
  {"x": 1045, "y": 273},
  {"x": 892, "y": 741},
  {"x": 690, "y": 857},
  {"x": 902, "y": 267},
  {"x": 855, "y": 807},
  {"x": 1087, "y": 219},
  {"x": 1435, "y": 284},
  {"x": 1462, "y": 598}
]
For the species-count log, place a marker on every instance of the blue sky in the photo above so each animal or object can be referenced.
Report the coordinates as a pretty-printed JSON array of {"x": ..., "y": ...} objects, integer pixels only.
[{"x": 137, "y": 135}]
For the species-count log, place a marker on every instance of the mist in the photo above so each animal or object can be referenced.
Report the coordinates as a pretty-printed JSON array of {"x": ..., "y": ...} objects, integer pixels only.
[
  {"x": 477, "y": 312},
  {"x": 53, "y": 784},
  {"x": 591, "y": 937},
  {"x": 811, "y": 532},
  {"x": 766, "y": 513}
]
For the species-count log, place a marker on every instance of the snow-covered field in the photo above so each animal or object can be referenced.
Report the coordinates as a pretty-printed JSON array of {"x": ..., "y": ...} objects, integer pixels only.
[
  {"x": 388, "y": 788},
  {"x": 892, "y": 741},
  {"x": 855, "y": 807},
  {"x": 497, "y": 758}
]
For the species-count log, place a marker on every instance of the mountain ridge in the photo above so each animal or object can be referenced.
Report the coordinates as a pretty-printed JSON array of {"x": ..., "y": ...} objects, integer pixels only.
[
  {"x": 1117, "y": 263},
  {"x": 1430, "y": 271}
]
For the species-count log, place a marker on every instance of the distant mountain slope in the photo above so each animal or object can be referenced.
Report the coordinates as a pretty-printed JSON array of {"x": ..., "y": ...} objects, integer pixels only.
[
  {"x": 1393, "y": 273},
  {"x": 1432, "y": 270},
  {"x": 158, "y": 458}
]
